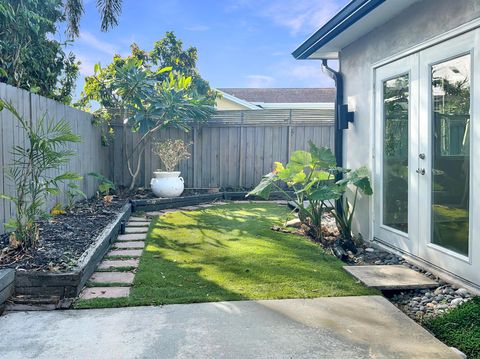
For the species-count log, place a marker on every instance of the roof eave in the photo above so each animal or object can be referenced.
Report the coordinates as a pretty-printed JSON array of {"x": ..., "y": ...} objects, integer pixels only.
[{"x": 349, "y": 15}]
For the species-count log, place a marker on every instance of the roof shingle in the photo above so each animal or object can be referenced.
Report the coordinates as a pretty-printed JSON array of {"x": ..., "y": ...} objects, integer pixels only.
[{"x": 283, "y": 95}]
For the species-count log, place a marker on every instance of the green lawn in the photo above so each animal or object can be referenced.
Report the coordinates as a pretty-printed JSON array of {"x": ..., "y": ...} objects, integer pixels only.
[
  {"x": 229, "y": 252},
  {"x": 460, "y": 328}
]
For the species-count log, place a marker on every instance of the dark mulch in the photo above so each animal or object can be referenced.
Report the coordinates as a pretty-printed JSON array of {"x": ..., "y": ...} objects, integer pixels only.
[{"x": 63, "y": 238}]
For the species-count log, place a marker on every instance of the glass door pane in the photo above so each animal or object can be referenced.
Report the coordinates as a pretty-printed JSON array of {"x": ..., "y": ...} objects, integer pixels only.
[
  {"x": 450, "y": 91},
  {"x": 395, "y": 152}
]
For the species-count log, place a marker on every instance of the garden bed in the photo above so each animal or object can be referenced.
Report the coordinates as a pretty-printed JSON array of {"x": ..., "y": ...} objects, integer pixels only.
[
  {"x": 146, "y": 201},
  {"x": 70, "y": 247}
]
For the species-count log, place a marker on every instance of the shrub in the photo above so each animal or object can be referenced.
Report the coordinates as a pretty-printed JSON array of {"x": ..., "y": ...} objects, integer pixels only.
[
  {"x": 44, "y": 153},
  {"x": 310, "y": 175}
]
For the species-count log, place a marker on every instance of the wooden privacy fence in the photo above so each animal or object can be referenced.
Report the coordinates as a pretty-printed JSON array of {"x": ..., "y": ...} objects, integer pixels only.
[
  {"x": 235, "y": 148},
  {"x": 90, "y": 155}
]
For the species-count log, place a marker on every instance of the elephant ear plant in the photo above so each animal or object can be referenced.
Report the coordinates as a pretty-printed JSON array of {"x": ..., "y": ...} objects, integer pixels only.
[
  {"x": 45, "y": 152},
  {"x": 311, "y": 177}
]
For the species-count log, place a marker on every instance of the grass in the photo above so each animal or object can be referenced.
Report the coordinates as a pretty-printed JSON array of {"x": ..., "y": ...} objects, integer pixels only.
[
  {"x": 460, "y": 328},
  {"x": 229, "y": 252}
]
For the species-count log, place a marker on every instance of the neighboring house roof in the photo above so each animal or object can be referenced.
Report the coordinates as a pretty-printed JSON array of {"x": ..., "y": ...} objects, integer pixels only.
[
  {"x": 238, "y": 101},
  {"x": 355, "y": 20},
  {"x": 261, "y": 96}
]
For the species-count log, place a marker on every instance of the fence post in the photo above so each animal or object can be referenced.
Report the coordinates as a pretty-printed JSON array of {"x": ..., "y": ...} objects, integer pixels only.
[
  {"x": 289, "y": 135},
  {"x": 241, "y": 154},
  {"x": 195, "y": 157}
]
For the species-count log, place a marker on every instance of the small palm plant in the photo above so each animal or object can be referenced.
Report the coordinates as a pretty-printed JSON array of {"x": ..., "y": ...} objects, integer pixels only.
[{"x": 44, "y": 153}]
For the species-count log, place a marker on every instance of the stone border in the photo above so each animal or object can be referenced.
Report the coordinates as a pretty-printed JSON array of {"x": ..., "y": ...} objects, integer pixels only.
[
  {"x": 69, "y": 284},
  {"x": 157, "y": 204}
]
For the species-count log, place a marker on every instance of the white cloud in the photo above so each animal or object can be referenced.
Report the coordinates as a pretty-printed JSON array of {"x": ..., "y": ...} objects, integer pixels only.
[
  {"x": 302, "y": 74},
  {"x": 298, "y": 16},
  {"x": 90, "y": 40},
  {"x": 86, "y": 65},
  {"x": 260, "y": 81}
]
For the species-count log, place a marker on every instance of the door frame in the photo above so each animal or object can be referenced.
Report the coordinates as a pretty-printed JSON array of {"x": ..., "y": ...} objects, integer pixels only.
[{"x": 452, "y": 266}]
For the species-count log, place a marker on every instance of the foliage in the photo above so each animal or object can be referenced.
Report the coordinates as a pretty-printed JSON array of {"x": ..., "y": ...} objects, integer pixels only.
[
  {"x": 229, "y": 252},
  {"x": 44, "y": 153},
  {"x": 460, "y": 328},
  {"x": 109, "y": 10},
  {"x": 30, "y": 57},
  {"x": 105, "y": 185},
  {"x": 359, "y": 178},
  {"x": 311, "y": 177},
  {"x": 146, "y": 97},
  {"x": 171, "y": 152},
  {"x": 73, "y": 193}
]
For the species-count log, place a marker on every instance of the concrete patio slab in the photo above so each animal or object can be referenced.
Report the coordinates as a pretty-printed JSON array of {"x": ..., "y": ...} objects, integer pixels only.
[
  {"x": 136, "y": 230},
  {"x": 129, "y": 245},
  {"x": 132, "y": 237},
  {"x": 390, "y": 277},
  {"x": 345, "y": 327},
  {"x": 120, "y": 263},
  {"x": 112, "y": 277},
  {"x": 105, "y": 292},
  {"x": 125, "y": 253}
]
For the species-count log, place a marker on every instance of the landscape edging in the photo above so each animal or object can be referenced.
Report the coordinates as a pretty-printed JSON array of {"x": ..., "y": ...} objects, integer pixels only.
[{"x": 69, "y": 284}]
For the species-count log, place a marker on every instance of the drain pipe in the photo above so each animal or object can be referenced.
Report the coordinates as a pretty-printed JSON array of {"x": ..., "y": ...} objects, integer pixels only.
[{"x": 342, "y": 118}]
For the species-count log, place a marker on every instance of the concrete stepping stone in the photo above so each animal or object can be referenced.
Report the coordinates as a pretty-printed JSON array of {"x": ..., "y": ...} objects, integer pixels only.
[
  {"x": 105, "y": 292},
  {"x": 125, "y": 253},
  {"x": 132, "y": 237},
  {"x": 137, "y": 219},
  {"x": 118, "y": 263},
  {"x": 129, "y": 245},
  {"x": 205, "y": 205},
  {"x": 390, "y": 277},
  {"x": 112, "y": 277},
  {"x": 138, "y": 224},
  {"x": 136, "y": 230}
]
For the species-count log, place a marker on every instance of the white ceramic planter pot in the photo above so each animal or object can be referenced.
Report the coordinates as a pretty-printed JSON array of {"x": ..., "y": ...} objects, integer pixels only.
[{"x": 167, "y": 184}]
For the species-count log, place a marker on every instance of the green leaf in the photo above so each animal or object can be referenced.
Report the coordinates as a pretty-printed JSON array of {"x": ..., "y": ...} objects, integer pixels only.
[
  {"x": 323, "y": 156},
  {"x": 325, "y": 193},
  {"x": 301, "y": 158},
  {"x": 264, "y": 188},
  {"x": 68, "y": 176}
]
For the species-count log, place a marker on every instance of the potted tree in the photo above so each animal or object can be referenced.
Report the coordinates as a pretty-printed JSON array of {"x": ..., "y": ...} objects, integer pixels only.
[{"x": 168, "y": 183}]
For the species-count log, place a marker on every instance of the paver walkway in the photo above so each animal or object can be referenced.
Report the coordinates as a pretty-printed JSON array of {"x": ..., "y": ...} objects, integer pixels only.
[
  {"x": 116, "y": 273},
  {"x": 343, "y": 327}
]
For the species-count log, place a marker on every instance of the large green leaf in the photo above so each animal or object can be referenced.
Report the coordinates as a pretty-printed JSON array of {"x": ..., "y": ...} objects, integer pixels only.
[
  {"x": 323, "y": 156},
  {"x": 359, "y": 178},
  {"x": 325, "y": 193},
  {"x": 264, "y": 188}
]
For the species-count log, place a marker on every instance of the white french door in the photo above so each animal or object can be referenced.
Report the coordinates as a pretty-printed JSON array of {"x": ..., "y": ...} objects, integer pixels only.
[{"x": 427, "y": 155}]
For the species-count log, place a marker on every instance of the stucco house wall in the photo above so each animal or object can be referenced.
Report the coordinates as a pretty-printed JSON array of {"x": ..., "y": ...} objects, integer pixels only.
[
  {"x": 223, "y": 104},
  {"x": 418, "y": 23}
]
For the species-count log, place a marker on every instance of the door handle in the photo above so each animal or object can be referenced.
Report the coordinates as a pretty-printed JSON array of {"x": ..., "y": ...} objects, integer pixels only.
[{"x": 420, "y": 171}]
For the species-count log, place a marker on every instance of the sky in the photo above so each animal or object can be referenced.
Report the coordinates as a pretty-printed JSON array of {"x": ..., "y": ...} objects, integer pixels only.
[{"x": 241, "y": 43}]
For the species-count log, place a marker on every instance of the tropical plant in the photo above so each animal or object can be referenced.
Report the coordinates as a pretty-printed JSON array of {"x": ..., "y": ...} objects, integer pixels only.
[
  {"x": 171, "y": 152},
  {"x": 344, "y": 218},
  {"x": 44, "y": 153},
  {"x": 105, "y": 186},
  {"x": 145, "y": 98},
  {"x": 73, "y": 194},
  {"x": 109, "y": 10},
  {"x": 310, "y": 175},
  {"x": 30, "y": 56}
]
